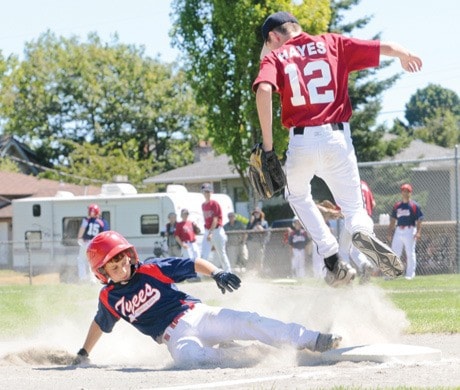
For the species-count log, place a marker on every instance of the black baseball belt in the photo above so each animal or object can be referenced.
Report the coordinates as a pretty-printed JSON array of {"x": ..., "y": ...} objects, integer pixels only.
[{"x": 334, "y": 126}]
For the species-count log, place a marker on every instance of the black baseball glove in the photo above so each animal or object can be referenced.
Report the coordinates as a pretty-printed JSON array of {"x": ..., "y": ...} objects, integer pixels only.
[
  {"x": 265, "y": 172},
  {"x": 226, "y": 281}
]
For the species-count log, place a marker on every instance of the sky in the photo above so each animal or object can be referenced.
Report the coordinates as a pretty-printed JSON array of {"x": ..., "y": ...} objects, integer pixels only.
[{"x": 430, "y": 29}]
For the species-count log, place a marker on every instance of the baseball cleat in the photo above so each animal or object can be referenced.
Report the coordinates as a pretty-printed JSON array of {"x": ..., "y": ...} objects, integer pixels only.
[
  {"x": 379, "y": 253},
  {"x": 341, "y": 275},
  {"x": 327, "y": 341}
]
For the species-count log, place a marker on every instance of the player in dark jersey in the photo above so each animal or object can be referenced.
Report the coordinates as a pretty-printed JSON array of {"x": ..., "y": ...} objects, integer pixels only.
[
  {"x": 145, "y": 295},
  {"x": 90, "y": 227},
  {"x": 406, "y": 224},
  {"x": 310, "y": 73}
]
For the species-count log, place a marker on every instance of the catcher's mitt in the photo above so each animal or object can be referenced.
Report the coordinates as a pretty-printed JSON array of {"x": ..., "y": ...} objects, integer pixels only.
[{"x": 265, "y": 172}]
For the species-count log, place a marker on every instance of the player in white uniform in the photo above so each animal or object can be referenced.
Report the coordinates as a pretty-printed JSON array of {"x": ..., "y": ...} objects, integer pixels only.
[
  {"x": 145, "y": 295},
  {"x": 311, "y": 75}
]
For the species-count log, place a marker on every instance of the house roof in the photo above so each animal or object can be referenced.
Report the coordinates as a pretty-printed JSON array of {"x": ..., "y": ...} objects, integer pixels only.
[
  {"x": 18, "y": 185},
  {"x": 418, "y": 149},
  {"x": 209, "y": 168},
  {"x": 25, "y": 158}
]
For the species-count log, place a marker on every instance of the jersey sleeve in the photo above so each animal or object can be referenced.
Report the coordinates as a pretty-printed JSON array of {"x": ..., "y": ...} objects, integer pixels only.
[
  {"x": 419, "y": 214},
  {"x": 177, "y": 269},
  {"x": 267, "y": 73},
  {"x": 360, "y": 54},
  {"x": 105, "y": 318}
]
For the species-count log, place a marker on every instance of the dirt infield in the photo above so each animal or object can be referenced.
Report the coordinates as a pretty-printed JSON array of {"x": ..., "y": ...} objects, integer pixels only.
[{"x": 126, "y": 359}]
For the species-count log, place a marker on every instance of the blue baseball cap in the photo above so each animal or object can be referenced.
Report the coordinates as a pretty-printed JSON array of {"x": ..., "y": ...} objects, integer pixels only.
[
  {"x": 207, "y": 187},
  {"x": 276, "y": 20}
]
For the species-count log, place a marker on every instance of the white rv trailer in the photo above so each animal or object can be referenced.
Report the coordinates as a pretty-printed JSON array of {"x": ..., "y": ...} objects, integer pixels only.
[{"x": 45, "y": 229}]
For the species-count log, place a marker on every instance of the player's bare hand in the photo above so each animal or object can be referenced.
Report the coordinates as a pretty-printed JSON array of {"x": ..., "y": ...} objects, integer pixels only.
[
  {"x": 411, "y": 63},
  {"x": 81, "y": 359},
  {"x": 226, "y": 281}
]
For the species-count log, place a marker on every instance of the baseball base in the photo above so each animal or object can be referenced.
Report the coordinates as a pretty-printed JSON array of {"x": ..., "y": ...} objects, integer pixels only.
[{"x": 381, "y": 353}]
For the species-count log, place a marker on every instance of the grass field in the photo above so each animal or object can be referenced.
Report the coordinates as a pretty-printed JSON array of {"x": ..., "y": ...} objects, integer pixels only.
[{"x": 431, "y": 303}]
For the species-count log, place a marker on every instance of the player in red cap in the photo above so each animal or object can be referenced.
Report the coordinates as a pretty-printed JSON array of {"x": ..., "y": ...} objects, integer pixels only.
[
  {"x": 405, "y": 228},
  {"x": 90, "y": 227}
]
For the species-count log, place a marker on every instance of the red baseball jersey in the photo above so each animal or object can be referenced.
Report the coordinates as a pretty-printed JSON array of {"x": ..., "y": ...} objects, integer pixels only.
[
  {"x": 368, "y": 198},
  {"x": 184, "y": 230},
  {"x": 211, "y": 209},
  {"x": 311, "y": 75}
]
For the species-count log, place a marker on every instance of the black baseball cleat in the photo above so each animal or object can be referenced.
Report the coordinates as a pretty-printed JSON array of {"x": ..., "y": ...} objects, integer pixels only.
[
  {"x": 341, "y": 275},
  {"x": 379, "y": 253},
  {"x": 327, "y": 341}
]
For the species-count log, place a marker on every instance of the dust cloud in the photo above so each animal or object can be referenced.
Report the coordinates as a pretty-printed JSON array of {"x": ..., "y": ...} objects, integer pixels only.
[{"x": 361, "y": 315}]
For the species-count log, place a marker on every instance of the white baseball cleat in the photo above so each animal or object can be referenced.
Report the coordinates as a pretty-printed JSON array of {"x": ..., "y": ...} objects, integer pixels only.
[
  {"x": 379, "y": 253},
  {"x": 341, "y": 275}
]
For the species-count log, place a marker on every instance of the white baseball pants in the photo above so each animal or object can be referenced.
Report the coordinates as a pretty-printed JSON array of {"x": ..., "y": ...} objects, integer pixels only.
[
  {"x": 219, "y": 241},
  {"x": 298, "y": 263},
  {"x": 328, "y": 154},
  {"x": 404, "y": 238},
  {"x": 191, "y": 252},
  {"x": 191, "y": 341}
]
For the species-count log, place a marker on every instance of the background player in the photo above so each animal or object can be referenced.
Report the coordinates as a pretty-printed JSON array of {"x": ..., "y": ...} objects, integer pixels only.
[
  {"x": 185, "y": 236},
  {"x": 347, "y": 250},
  {"x": 407, "y": 216},
  {"x": 214, "y": 233},
  {"x": 145, "y": 296},
  {"x": 90, "y": 227},
  {"x": 174, "y": 249},
  {"x": 311, "y": 75},
  {"x": 298, "y": 240},
  {"x": 237, "y": 249}
]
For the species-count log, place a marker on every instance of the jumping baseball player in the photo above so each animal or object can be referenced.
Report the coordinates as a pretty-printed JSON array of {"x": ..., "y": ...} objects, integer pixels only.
[
  {"x": 90, "y": 227},
  {"x": 214, "y": 233},
  {"x": 407, "y": 216},
  {"x": 144, "y": 295},
  {"x": 311, "y": 74}
]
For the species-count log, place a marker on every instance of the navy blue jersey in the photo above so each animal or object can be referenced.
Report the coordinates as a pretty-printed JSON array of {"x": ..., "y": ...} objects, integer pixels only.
[
  {"x": 407, "y": 214},
  {"x": 150, "y": 300},
  {"x": 93, "y": 226},
  {"x": 298, "y": 239}
]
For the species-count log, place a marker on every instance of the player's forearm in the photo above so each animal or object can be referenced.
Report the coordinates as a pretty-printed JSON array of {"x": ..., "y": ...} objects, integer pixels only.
[
  {"x": 409, "y": 61},
  {"x": 204, "y": 267},
  {"x": 393, "y": 49},
  {"x": 264, "y": 110},
  {"x": 94, "y": 334}
]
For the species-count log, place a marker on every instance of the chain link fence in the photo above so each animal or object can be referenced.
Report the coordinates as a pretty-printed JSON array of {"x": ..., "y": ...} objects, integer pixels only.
[{"x": 436, "y": 190}]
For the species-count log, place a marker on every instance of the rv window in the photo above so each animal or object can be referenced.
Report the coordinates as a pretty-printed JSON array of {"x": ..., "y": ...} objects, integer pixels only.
[
  {"x": 70, "y": 227},
  {"x": 36, "y": 210},
  {"x": 33, "y": 239},
  {"x": 150, "y": 224}
]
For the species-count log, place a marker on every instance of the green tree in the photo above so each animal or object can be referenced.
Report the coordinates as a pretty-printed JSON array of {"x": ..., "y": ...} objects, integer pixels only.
[
  {"x": 8, "y": 165},
  {"x": 441, "y": 129},
  {"x": 89, "y": 163},
  {"x": 109, "y": 94},
  {"x": 222, "y": 41},
  {"x": 425, "y": 104}
]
